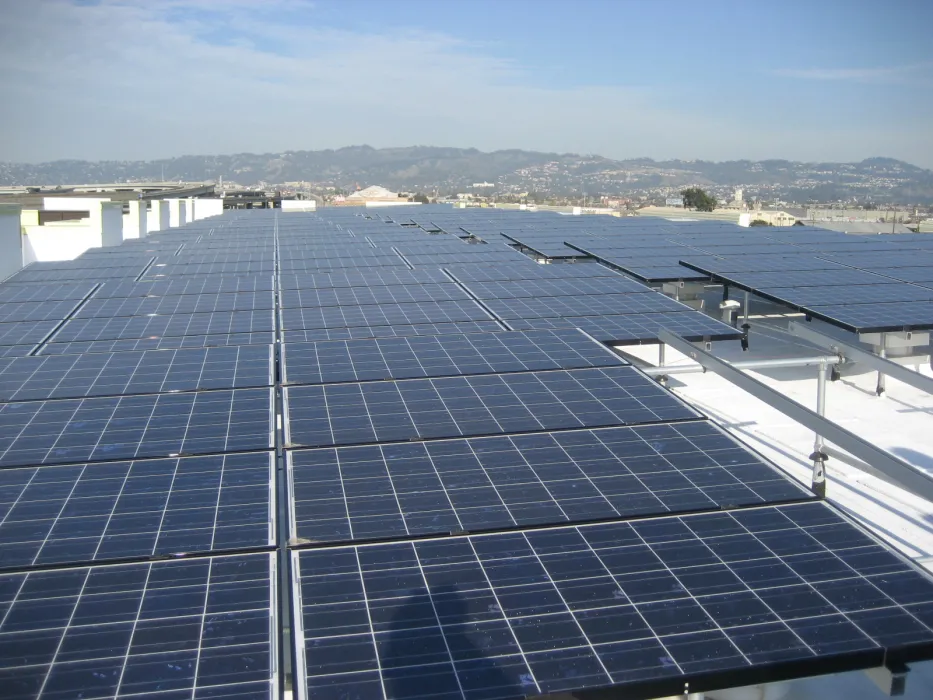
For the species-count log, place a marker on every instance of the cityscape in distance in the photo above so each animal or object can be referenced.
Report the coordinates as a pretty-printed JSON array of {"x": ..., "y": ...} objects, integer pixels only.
[{"x": 441, "y": 172}]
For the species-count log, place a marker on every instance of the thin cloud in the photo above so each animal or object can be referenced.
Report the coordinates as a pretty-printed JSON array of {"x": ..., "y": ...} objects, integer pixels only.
[{"x": 882, "y": 74}]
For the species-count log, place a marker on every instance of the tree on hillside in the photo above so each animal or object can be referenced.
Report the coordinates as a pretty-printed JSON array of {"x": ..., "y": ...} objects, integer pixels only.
[{"x": 696, "y": 198}]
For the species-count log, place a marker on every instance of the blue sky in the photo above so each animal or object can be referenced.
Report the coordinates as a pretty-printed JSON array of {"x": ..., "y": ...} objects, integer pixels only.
[{"x": 126, "y": 79}]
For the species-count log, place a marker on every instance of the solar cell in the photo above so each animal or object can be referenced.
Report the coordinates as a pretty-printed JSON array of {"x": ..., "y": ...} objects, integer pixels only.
[
  {"x": 382, "y": 314},
  {"x": 15, "y": 293},
  {"x": 111, "y": 510},
  {"x": 351, "y": 278},
  {"x": 157, "y": 343},
  {"x": 26, "y": 332},
  {"x": 604, "y": 304},
  {"x": 833, "y": 295},
  {"x": 556, "y": 287},
  {"x": 213, "y": 284},
  {"x": 131, "y": 427},
  {"x": 637, "y": 328},
  {"x": 199, "y": 628},
  {"x": 176, "y": 269},
  {"x": 493, "y": 273},
  {"x": 442, "y": 486},
  {"x": 393, "y": 331},
  {"x": 821, "y": 278},
  {"x": 15, "y": 350},
  {"x": 360, "y": 296},
  {"x": 441, "y": 355},
  {"x": 877, "y": 318},
  {"x": 170, "y": 305},
  {"x": 666, "y": 600},
  {"x": 126, "y": 327},
  {"x": 346, "y": 414},
  {"x": 140, "y": 372}
]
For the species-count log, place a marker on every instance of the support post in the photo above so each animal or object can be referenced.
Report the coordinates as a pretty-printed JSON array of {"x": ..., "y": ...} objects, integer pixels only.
[
  {"x": 819, "y": 457},
  {"x": 882, "y": 353},
  {"x": 661, "y": 361},
  {"x": 883, "y": 464}
]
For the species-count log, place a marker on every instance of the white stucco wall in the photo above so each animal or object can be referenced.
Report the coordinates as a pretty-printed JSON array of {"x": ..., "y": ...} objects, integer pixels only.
[
  {"x": 299, "y": 205},
  {"x": 111, "y": 223},
  {"x": 135, "y": 222},
  {"x": 209, "y": 207},
  {"x": 58, "y": 242},
  {"x": 11, "y": 240},
  {"x": 158, "y": 215}
]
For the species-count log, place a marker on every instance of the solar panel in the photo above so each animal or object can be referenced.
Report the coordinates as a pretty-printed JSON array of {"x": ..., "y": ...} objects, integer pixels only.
[
  {"x": 141, "y": 372},
  {"x": 514, "y": 289},
  {"x": 361, "y": 296},
  {"x": 351, "y": 278},
  {"x": 497, "y": 272},
  {"x": 198, "y": 628},
  {"x": 125, "y": 327},
  {"x": 442, "y": 486},
  {"x": 131, "y": 427},
  {"x": 822, "y": 278},
  {"x": 833, "y": 295},
  {"x": 157, "y": 343},
  {"x": 113, "y": 510},
  {"x": 171, "y": 305},
  {"x": 15, "y": 293},
  {"x": 16, "y": 350},
  {"x": 877, "y": 318},
  {"x": 393, "y": 331},
  {"x": 439, "y": 356},
  {"x": 637, "y": 328},
  {"x": 382, "y": 314},
  {"x": 561, "y": 307},
  {"x": 26, "y": 332},
  {"x": 213, "y": 284},
  {"x": 666, "y": 601},
  {"x": 347, "y": 414}
]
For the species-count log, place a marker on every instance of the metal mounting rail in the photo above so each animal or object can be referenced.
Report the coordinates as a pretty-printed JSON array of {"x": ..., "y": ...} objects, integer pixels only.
[
  {"x": 882, "y": 464},
  {"x": 856, "y": 354}
]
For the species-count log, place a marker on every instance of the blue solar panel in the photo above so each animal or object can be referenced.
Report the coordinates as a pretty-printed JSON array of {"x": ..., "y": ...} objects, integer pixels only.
[
  {"x": 112, "y": 510},
  {"x": 130, "y": 427},
  {"x": 200, "y": 628},
  {"x": 436, "y": 487},
  {"x": 441, "y": 355},
  {"x": 346, "y": 414},
  {"x": 691, "y": 599}
]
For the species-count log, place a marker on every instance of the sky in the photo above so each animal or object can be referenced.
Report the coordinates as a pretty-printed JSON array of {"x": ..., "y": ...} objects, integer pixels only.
[{"x": 813, "y": 80}]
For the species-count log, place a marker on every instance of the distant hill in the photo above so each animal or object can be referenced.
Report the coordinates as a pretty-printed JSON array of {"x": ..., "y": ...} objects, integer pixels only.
[{"x": 450, "y": 169}]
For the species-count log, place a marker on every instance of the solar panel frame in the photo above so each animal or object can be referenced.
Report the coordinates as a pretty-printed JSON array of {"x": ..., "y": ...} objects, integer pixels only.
[
  {"x": 66, "y": 431},
  {"x": 645, "y": 607},
  {"x": 437, "y": 487},
  {"x": 360, "y": 413},
  {"x": 199, "y": 324},
  {"x": 171, "y": 305},
  {"x": 440, "y": 356},
  {"x": 304, "y": 318},
  {"x": 156, "y": 343},
  {"x": 576, "y": 306},
  {"x": 143, "y": 372},
  {"x": 144, "y": 508},
  {"x": 636, "y": 329},
  {"x": 13, "y": 293},
  {"x": 367, "y": 296},
  {"x": 158, "y": 627}
]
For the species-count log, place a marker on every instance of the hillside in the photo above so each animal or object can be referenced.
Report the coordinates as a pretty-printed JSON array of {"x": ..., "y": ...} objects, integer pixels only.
[{"x": 450, "y": 169}]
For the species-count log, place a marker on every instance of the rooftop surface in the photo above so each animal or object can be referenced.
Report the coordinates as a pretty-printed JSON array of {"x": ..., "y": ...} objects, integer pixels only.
[{"x": 355, "y": 454}]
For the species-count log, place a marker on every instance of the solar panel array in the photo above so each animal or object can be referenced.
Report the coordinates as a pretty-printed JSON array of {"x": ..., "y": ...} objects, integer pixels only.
[{"x": 394, "y": 458}]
